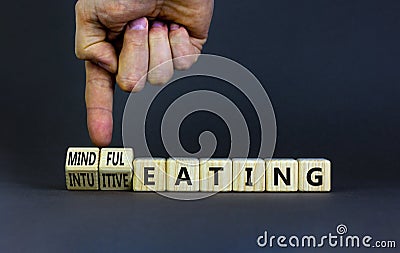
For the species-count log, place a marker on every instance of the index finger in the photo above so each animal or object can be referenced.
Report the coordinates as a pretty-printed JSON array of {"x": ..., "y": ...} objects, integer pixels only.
[{"x": 99, "y": 103}]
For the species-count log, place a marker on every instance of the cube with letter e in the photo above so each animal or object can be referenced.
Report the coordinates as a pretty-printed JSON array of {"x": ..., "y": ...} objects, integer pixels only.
[{"x": 149, "y": 174}]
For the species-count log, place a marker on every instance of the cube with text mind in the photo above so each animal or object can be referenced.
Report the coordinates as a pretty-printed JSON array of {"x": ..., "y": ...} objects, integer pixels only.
[
  {"x": 81, "y": 168},
  {"x": 115, "y": 169},
  {"x": 314, "y": 175},
  {"x": 183, "y": 174},
  {"x": 248, "y": 175},
  {"x": 215, "y": 175},
  {"x": 282, "y": 175},
  {"x": 149, "y": 174}
]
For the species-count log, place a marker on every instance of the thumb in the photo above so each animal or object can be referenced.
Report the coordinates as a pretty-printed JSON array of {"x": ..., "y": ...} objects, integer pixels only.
[{"x": 90, "y": 40}]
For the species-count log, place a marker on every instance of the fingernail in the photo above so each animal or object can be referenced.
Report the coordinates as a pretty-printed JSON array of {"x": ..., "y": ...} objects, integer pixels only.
[
  {"x": 138, "y": 24},
  {"x": 157, "y": 24},
  {"x": 174, "y": 27}
]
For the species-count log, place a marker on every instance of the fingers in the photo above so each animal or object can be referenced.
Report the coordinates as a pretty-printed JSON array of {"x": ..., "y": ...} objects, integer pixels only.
[
  {"x": 99, "y": 102},
  {"x": 134, "y": 57},
  {"x": 90, "y": 40},
  {"x": 160, "y": 52},
  {"x": 181, "y": 46}
]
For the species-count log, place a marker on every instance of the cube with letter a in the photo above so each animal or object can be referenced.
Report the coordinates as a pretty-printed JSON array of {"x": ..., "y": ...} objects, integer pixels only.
[{"x": 183, "y": 174}]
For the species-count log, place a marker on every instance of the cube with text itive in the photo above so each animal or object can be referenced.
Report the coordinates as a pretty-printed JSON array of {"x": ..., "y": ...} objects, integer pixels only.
[
  {"x": 115, "y": 169},
  {"x": 81, "y": 169}
]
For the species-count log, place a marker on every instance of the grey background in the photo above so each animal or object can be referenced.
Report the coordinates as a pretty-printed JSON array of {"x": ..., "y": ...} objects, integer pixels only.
[{"x": 331, "y": 71}]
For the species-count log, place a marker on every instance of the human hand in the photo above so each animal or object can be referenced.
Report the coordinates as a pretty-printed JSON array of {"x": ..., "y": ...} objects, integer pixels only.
[{"x": 115, "y": 40}]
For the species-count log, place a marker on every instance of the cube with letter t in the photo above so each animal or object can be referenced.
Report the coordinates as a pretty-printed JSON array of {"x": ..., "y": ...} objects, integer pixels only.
[{"x": 215, "y": 175}]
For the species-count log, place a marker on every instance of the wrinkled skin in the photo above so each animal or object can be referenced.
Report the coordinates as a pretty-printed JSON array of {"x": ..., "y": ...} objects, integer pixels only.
[{"x": 121, "y": 40}]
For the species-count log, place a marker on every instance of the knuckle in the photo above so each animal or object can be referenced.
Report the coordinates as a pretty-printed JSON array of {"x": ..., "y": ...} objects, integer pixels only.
[
  {"x": 128, "y": 83},
  {"x": 157, "y": 35},
  {"x": 137, "y": 88},
  {"x": 98, "y": 82},
  {"x": 83, "y": 53},
  {"x": 99, "y": 54},
  {"x": 182, "y": 64},
  {"x": 159, "y": 78},
  {"x": 78, "y": 6},
  {"x": 116, "y": 8},
  {"x": 79, "y": 54},
  {"x": 137, "y": 42},
  {"x": 81, "y": 11}
]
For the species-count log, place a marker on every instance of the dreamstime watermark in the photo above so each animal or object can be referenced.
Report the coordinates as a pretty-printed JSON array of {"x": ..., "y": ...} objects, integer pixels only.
[{"x": 338, "y": 239}]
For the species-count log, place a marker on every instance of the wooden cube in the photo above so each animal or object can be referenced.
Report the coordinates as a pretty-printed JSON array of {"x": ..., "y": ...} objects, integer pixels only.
[
  {"x": 248, "y": 175},
  {"x": 81, "y": 169},
  {"x": 215, "y": 175},
  {"x": 183, "y": 174},
  {"x": 282, "y": 175},
  {"x": 149, "y": 174},
  {"x": 314, "y": 175},
  {"x": 115, "y": 170}
]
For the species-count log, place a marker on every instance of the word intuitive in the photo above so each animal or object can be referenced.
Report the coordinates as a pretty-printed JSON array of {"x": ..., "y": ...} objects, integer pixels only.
[{"x": 116, "y": 169}]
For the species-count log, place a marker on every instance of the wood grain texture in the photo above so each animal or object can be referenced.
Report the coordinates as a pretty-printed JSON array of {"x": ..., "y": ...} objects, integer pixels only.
[
  {"x": 248, "y": 175},
  {"x": 81, "y": 168},
  {"x": 115, "y": 169},
  {"x": 183, "y": 174},
  {"x": 282, "y": 175},
  {"x": 314, "y": 175},
  {"x": 215, "y": 175},
  {"x": 88, "y": 168},
  {"x": 149, "y": 174}
]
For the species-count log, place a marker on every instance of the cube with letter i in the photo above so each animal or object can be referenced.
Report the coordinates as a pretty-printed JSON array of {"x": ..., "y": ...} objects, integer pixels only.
[
  {"x": 115, "y": 170},
  {"x": 81, "y": 169},
  {"x": 248, "y": 175}
]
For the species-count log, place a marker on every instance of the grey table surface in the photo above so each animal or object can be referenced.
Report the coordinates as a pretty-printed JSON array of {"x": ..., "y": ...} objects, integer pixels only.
[{"x": 39, "y": 215}]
